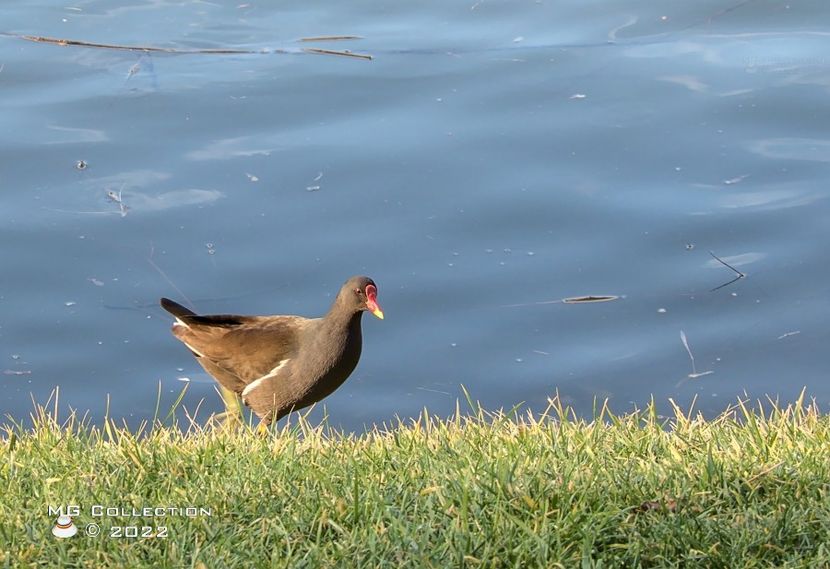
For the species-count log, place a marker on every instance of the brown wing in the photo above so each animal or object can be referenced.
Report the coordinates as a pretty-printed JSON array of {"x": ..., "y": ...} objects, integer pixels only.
[
  {"x": 249, "y": 347},
  {"x": 237, "y": 350}
]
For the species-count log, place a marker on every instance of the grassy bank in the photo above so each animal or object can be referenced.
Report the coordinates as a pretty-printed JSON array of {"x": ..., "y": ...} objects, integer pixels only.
[{"x": 747, "y": 489}]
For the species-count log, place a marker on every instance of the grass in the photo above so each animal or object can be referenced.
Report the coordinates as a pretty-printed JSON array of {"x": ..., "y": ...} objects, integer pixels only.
[{"x": 750, "y": 488}]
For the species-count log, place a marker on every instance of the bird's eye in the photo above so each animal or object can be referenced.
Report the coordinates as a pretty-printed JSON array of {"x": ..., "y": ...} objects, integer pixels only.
[{"x": 358, "y": 291}]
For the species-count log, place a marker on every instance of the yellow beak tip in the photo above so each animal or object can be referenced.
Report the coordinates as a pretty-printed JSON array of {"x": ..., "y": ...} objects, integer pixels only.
[{"x": 378, "y": 313}]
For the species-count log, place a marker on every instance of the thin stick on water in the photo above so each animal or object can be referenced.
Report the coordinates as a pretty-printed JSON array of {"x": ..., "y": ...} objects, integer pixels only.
[
  {"x": 739, "y": 274},
  {"x": 344, "y": 53},
  {"x": 722, "y": 262},
  {"x": 330, "y": 38},
  {"x": 587, "y": 299},
  {"x": 689, "y": 350},
  {"x": 211, "y": 51},
  {"x": 694, "y": 374}
]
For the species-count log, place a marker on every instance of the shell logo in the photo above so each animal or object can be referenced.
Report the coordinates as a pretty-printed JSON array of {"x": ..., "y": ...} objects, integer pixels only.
[{"x": 64, "y": 527}]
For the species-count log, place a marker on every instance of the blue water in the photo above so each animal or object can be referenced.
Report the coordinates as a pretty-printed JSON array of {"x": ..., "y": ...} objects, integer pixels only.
[{"x": 491, "y": 159}]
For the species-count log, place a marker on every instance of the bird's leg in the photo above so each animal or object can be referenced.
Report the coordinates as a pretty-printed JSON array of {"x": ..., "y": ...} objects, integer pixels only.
[
  {"x": 230, "y": 400},
  {"x": 262, "y": 429}
]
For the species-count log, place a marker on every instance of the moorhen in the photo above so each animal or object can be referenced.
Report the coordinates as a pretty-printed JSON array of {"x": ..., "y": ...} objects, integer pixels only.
[{"x": 279, "y": 364}]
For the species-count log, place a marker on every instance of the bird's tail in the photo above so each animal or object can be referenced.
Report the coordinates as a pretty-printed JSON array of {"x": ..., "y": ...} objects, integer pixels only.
[{"x": 175, "y": 308}]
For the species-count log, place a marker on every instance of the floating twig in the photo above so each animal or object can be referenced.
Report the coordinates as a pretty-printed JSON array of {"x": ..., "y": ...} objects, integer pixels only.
[
  {"x": 694, "y": 374},
  {"x": 344, "y": 53},
  {"x": 153, "y": 49},
  {"x": 202, "y": 51},
  {"x": 688, "y": 349},
  {"x": 569, "y": 300},
  {"x": 727, "y": 283},
  {"x": 330, "y": 38},
  {"x": 739, "y": 274},
  {"x": 721, "y": 261},
  {"x": 590, "y": 298}
]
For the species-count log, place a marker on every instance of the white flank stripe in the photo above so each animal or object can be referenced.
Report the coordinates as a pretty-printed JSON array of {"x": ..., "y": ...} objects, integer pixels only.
[
  {"x": 255, "y": 383},
  {"x": 194, "y": 350}
]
